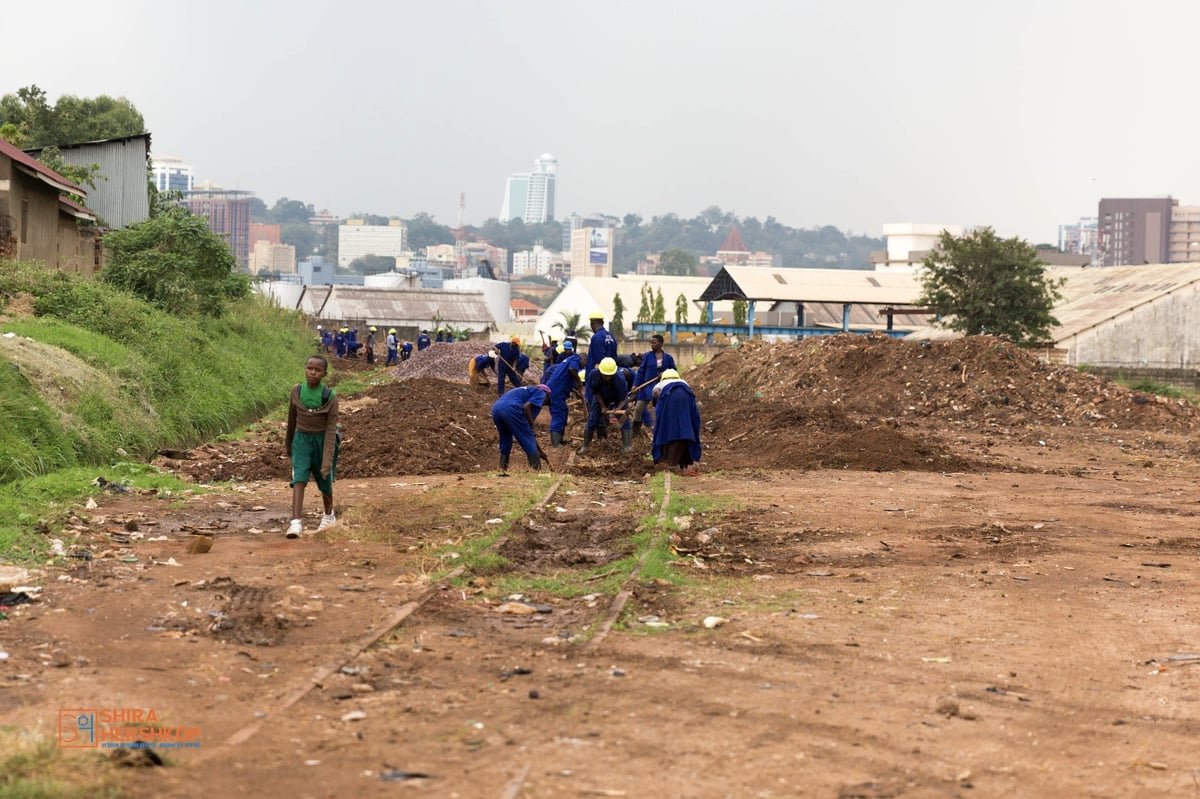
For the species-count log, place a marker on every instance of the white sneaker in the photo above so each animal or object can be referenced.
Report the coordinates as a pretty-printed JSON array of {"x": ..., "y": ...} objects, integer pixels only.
[
  {"x": 295, "y": 528},
  {"x": 327, "y": 520}
]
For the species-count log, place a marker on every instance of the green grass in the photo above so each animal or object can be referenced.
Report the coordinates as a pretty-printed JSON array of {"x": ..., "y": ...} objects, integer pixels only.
[
  {"x": 46, "y": 500},
  {"x": 1160, "y": 389},
  {"x": 36, "y": 768}
]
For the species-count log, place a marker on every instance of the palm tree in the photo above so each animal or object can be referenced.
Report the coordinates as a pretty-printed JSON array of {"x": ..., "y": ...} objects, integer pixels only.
[{"x": 573, "y": 321}]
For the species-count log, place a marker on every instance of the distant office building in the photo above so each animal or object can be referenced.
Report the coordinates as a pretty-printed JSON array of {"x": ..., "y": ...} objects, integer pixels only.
[
  {"x": 228, "y": 215},
  {"x": 263, "y": 231},
  {"x": 592, "y": 252},
  {"x": 171, "y": 174},
  {"x": 529, "y": 196},
  {"x": 538, "y": 261},
  {"x": 356, "y": 240},
  {"x": 1082, "y": 238},
  {"x": 1185, "y": 234},
  {"x": 276, "y": 259},
  {"x": 1135, "y": 231}
]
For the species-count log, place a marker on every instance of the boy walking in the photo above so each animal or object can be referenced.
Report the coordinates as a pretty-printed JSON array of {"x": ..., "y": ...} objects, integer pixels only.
[{"x": 312, "y": 442}]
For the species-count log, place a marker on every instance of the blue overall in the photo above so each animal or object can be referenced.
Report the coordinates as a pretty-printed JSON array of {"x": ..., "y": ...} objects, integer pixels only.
[
  {"x": 562, "y": 378},
  {"x": 646, "y": 373},
  {"x": 509, "y": 416},
  {"x": 676, "y": 418},
  {"x": 613, "y": 392},
  {"x": 508, "y": 353},
  {"x": 422, "y": 341}
]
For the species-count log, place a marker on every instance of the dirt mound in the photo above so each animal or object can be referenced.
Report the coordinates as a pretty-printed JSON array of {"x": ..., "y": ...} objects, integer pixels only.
[
  {"x": 873, "y": 402},
  {"x": 448, "y": 361},
  {"x": 846, "y": 401},
  {"x": 975, "y": 379}
]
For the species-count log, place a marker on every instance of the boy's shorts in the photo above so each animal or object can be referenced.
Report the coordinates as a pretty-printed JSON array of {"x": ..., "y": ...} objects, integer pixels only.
[{"x": 308, "y": 450}]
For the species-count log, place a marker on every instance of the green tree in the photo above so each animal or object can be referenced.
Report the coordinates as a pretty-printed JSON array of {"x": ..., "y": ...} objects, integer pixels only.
[
  {"x": 644, "y": 310},
  {"x": 373, "y": 264},
  {"x": 979, "y": 283},
  {"x": 71, "y": 120},
  {"x": 660, "y": 311},
  {"x": 739, "y": 312},
  {"x": 286, "y": 212},
  {"x": 175, "y": 262},
  {"x": 301, "y": 236},
  {"x": 618, "y": 318},
  {"x": 681, "y": 310},
  {"x": 704, "y": 314},
  {"x": 424, "y": 231},
  {"x": 677, "y": 262}
]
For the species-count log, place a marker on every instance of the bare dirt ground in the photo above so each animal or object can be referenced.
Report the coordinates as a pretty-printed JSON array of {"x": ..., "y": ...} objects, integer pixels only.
[{"x": 942, "y": 571}]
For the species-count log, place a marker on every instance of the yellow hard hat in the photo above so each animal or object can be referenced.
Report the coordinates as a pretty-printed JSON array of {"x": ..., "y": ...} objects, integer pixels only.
[
  {"x": 608, "y": 367},
  {"x": 596, "y": 315},
  {"x": 372, "y": 328},
  {"x": 582, "y": 375},
  {"x": 559, "y": 349},
  {"x": 392, "y": 331},
  {"x": 670, "y": 373}
]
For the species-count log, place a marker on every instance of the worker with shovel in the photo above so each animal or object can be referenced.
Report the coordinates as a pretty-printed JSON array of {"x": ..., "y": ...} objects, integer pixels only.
[
  {"x": 654, "y": 363},
  {"x": 563, "y": 379},
  {"x": 506, "y": 365},
  {"x": 513, "y": 415},
  {"x": 676, "y": 423},
  {"x": 608, "y": 395}
]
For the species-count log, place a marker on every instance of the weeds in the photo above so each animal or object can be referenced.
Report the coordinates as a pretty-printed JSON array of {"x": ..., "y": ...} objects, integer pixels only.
[{"x": 36, "y": 768}]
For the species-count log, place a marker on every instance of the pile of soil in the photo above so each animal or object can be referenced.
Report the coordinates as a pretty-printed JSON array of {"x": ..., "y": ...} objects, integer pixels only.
[
  {"x": 449, "y": 360},
  {"x": 873, "y": 402},
  {"x": 846, "y": 401}
]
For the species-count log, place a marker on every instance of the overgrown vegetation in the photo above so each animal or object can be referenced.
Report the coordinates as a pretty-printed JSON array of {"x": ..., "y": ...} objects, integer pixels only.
[
  {"x": 36, "y": 768},
  {"x": 96, "y": 374}
]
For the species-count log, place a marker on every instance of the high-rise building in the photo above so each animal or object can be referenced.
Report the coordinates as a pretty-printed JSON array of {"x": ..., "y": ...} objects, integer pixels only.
[
  {"x": 529, "y": 196},
  {"x": 1135, "y": 231},
  {"x": 171, "y": 174},
  {"x": 228, "y": 215}
]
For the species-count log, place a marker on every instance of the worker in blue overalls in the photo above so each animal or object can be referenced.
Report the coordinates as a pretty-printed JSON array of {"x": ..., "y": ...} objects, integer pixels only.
[
  {"x": 513, "y": 415},
  {"x": 608, "y": 396},
  {"x": 423, "y": 341},
  {"x": 563, "y": 379},
  {"x": 506, "y": 363}
]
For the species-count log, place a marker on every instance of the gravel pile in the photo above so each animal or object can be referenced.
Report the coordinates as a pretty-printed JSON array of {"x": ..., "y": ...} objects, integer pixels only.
[{"x": 449, "y": 360}]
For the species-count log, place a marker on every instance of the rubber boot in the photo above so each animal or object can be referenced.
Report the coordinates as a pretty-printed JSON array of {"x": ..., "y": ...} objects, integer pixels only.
[
  {"x": 535, "y": 461},
  {"x": 504, "y": 462},
  {"x": 627, "y": 437},
  {"x": 555, "y": 439},
  {"x": 637, "y": 428},
  {"x": 587, "y": 441}
]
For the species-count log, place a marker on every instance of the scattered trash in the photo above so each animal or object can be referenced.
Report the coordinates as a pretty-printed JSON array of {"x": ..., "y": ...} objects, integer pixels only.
[
  {"x": 13, "y": 598},
  {"x": 91, "y": 504},
  {"x": 1158, "y": 565},
  {"x": 819, "y": 574},
  {"x": 506, "y": 673},
  {"x": 398, "y": 775},
  {"x": 12, "y": 576},
  {"x": 496, "y": 520},
  {"x": 354, "y": 715},
  {"x": 712, "y": 622},
  {"x": 517, "y": 609},
  {"x": 935, "y": 660}
]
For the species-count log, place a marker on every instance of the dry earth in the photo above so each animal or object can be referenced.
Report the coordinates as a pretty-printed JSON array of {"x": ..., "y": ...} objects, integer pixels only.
[{"x": 945, "y": 570}]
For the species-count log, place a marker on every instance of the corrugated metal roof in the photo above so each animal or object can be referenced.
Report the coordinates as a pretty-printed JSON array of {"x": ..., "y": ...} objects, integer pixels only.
[
  {"x": 815, "y": 285},
  {"x": 40, "y": 170},
  {"x": 1094, "y": 296},
  {"x": 120, "y": 197},
  {"x": 407, "y": 307}
]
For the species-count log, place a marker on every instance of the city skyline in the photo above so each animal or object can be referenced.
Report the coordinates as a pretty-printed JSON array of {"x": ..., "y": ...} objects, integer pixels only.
[{"x": 853, "y": 115}]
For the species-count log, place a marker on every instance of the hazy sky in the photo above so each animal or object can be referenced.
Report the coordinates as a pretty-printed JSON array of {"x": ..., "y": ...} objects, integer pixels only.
[{"x": 1015, "y": 114}]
